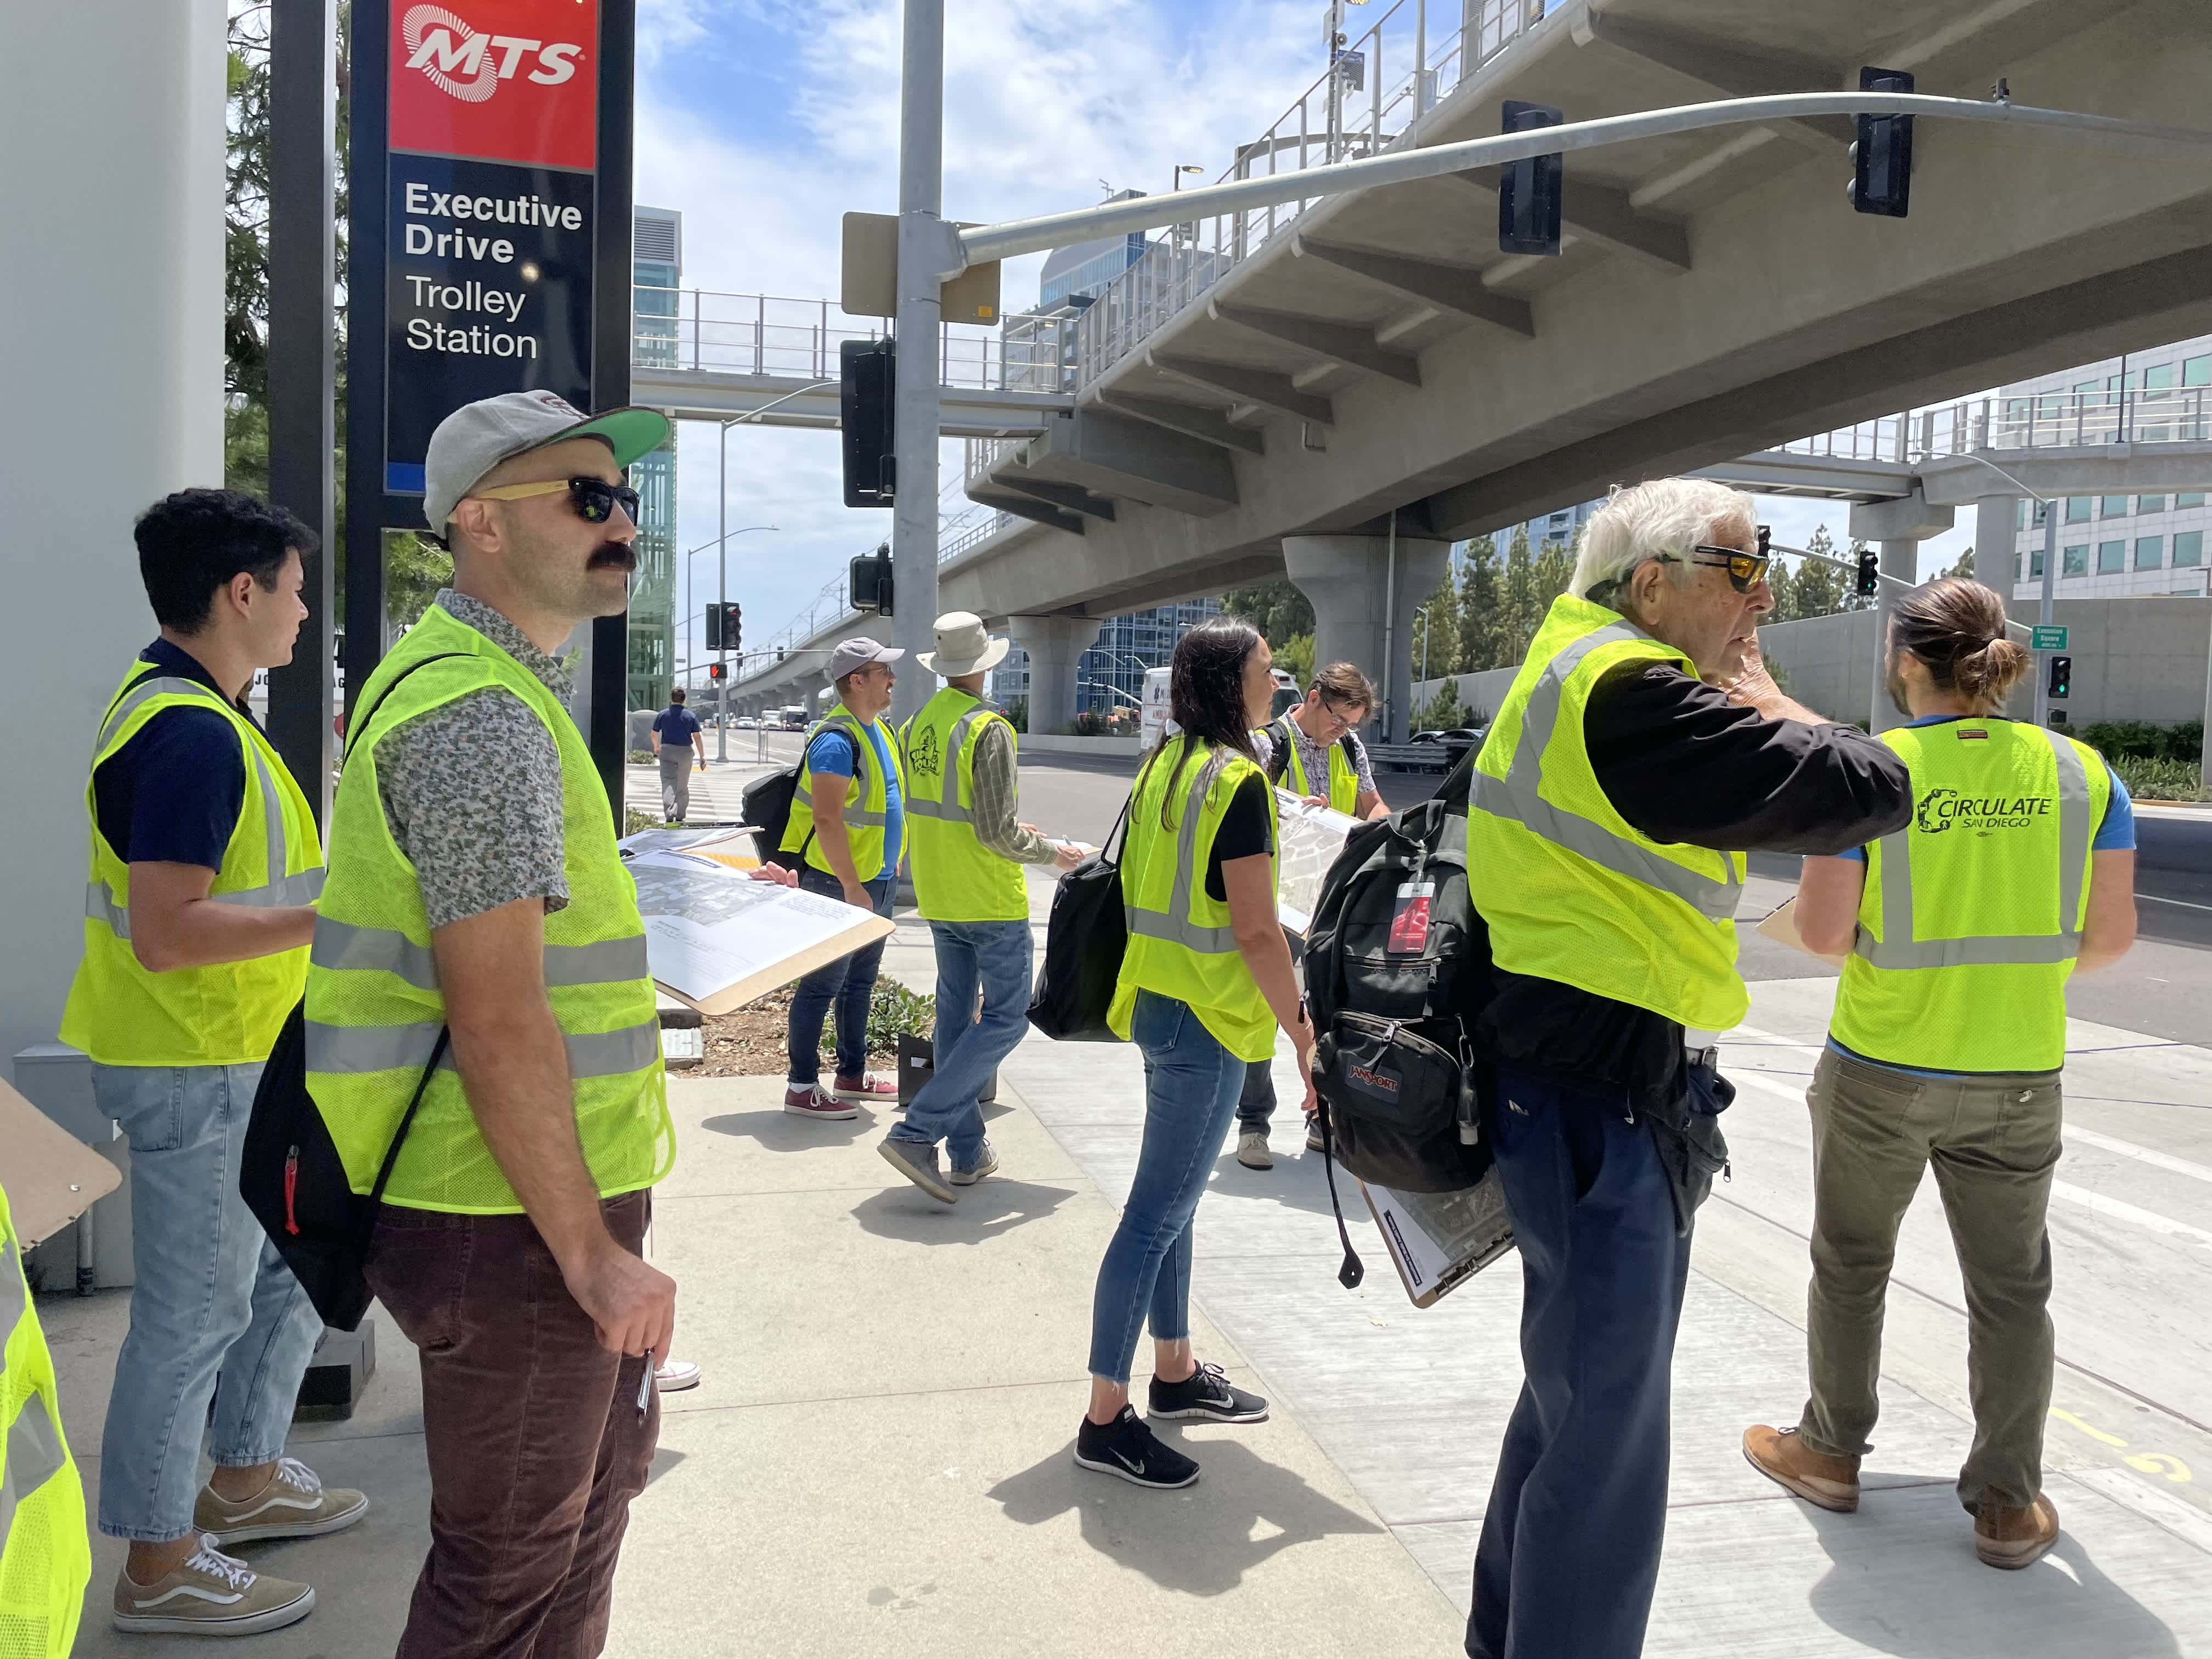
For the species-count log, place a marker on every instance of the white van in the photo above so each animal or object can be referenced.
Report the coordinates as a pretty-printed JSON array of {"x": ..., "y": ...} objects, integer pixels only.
[{"x": 1155, "y": 718}]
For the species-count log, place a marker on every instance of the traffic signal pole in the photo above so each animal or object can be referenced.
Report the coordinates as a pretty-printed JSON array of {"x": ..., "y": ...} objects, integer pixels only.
[
  {"x": 927, "y": 252},
  {"x": 2043, "y": 607},
  {"x": 721, "y": 621}
]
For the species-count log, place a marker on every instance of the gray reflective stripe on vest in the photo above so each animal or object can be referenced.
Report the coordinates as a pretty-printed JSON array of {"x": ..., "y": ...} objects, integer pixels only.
[
  {"x": 1519, "y": 796},
  {"x": 350, "y": 1050},
  {"x": 164, "y": 685},
  {"x": 12, "y": 1294},
  {"x": 947, "y": 809},
  {"x": 1898, "y": 948},
  {"x": 304, "y": 887},
  {"x": 344, "y": 944},
  {"x": 35, "y": 1455},
  {"x": 1175, "y": 926}
]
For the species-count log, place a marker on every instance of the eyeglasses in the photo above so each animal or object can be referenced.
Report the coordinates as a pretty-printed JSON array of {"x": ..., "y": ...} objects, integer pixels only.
[
  {"x": 1746, "y": 570},
  {"x": 1335, "y": 712},
  {"x": 595, "y": 499}
]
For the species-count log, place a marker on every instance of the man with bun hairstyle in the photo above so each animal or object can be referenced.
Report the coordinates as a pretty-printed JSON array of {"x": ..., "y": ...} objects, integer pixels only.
[{"x": 1958, "y": 932}]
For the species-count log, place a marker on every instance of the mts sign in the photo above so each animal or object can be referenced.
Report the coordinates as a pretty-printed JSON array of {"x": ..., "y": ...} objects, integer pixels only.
[{"x": 497, "y": 81}]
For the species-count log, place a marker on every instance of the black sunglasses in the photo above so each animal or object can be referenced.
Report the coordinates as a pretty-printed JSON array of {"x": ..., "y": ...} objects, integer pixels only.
[{"x": 595, "y": 499}]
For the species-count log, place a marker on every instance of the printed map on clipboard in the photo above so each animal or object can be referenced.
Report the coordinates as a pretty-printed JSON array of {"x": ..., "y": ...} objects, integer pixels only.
[{"x": 1438, "y": 1241}]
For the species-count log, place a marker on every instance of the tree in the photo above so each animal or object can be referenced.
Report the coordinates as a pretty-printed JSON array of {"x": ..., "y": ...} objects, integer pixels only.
[
  {"x": 1965, "y": 567},
  {"x": 1784, "y": 592},
  {"x": 1277, "y": 609},
  {"x": 1519, "y": 612},
  {"x": 415, "y": 568},
  {"x": 1555, "y": 568},
  {"x": 1295, "y": 656},
  {"x": 1436, "y": 632},
  {"x": 1478, "y": 606},
  {"x": 1817, "y": 588},
  {"x": 1442, "y": 712}
]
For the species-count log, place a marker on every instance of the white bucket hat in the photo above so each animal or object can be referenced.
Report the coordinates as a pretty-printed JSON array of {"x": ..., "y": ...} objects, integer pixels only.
[{"x": 963, "y": 647}]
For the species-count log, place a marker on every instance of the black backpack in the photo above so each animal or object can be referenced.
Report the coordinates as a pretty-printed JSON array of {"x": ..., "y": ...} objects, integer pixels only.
[
  {"x": 766, "y": 805},
  {"x": 290, "y": 1174},
  {"x": 1393, "y": 1062}
]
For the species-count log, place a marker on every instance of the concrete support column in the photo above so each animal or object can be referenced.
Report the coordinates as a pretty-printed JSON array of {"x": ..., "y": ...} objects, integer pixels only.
[
  {"x": 1350, "y": 583},
  {"x": 111, "y": 347},
  {"x": 1899, "y": 525},
  {"x": 1053, "y": 645}
]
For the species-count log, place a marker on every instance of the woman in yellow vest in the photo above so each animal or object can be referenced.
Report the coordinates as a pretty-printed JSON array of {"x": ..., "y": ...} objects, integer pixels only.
[
  {"x": 2017, "y": 869},
  {"x": 1206, "y": 980}
]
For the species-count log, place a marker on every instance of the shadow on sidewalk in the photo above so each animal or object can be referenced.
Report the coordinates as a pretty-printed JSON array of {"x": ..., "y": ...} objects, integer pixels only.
[
  {"x": 778, "y": 1130},
  {"x": 985, "y": 1211},
  {"x": 1900, "y": 1589},
  {"x": 1295, "y": 1182},
  {"x": 1198, "y": 1541}
]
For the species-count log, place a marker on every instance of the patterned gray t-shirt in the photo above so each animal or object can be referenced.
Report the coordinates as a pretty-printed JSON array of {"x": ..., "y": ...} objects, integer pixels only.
[{"x": 472, "y": 788}]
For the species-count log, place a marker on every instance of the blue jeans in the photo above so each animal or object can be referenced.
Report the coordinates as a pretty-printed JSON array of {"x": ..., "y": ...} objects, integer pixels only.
[
  {"x": 995, "y": 956},
  {"x": 845, "y": 984},
  {"x": 1191, "y": 1084},
  {"x": 215, "y": 1313},
  {"x": 1570, "y": 1549}
]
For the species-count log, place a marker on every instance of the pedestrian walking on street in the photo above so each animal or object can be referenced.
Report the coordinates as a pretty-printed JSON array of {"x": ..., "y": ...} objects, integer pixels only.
[
  {"x": 677, "y": 739},
  {"x": 480, "y": 948},
  {"x": 199, "y": 910},
  {"x": 1607, "y": 818},
  {"x": 848, "y": 822},
  {"x": 1206, "y": 982},
  {"x": 1315, "y": 741},
  {"x": 1958, "y": 931},
  {"x": 968, "y": 849}
]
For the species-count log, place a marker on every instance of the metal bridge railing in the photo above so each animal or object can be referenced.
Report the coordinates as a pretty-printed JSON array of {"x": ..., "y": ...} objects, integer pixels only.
[
  {"x": 2050, "y": 419},
  {"x": 699, "y": 330},
  {"x": 1376, "y": 88}
]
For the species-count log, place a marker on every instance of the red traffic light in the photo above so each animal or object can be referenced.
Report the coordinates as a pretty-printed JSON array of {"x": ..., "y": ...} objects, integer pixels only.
[{"x": 718, "y": 671}]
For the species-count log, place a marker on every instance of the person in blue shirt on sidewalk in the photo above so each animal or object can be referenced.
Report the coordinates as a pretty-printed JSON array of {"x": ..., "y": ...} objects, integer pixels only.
[{"x": 675, "y": 738}]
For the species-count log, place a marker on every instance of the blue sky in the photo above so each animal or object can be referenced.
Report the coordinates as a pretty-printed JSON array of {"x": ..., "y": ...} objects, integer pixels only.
[{"x": 764, "y": 121}]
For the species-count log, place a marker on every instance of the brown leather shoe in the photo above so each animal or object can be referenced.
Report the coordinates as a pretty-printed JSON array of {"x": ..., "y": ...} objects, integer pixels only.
[
  {"x": 2010, "y": 1538},
  {"x": 1782, "y": 1458}
]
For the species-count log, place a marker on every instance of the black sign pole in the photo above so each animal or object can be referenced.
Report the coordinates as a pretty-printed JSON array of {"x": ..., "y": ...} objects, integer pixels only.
[
  {"x": 366, "y": 231},
  {"x": 302, "y": 363},
  {"x": 610, "y": 353}
]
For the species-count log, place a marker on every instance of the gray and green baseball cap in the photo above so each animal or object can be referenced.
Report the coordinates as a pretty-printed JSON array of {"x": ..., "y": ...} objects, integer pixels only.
[{"x": 477, "y": 437}]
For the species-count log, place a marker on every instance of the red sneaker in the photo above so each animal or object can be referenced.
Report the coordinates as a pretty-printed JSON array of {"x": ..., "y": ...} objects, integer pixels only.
[
  {"x": 815, "y": 1100},
  {"x": 868, "y": 1087}
]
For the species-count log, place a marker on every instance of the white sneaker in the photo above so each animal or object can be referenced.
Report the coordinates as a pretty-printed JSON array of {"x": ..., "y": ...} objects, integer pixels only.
[
  {"x": 674, "y": 1376},
  {"x": 1252, "y": 1149}
]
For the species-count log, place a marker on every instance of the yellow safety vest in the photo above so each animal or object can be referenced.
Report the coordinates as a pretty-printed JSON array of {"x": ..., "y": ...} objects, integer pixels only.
[
  {"x": 1181, "y": 943},
  {"x": 956, "y": 876},
  {"x": 373, "y": 1006},
  {"x": 867, "y": 799},
  {"x": 1971, "y": 914},
  {"x": 227, "y": 1013},
  {"x": 45, "y": 1557},
  {"x": 1343, "y": 778},
  {"x": 1570, "y": 891}
]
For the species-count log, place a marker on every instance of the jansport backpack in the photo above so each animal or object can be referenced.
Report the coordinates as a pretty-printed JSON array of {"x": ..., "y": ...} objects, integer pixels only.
[
  {"x": 766, "y": 805},
  {"x": 1396, "y": 964}
]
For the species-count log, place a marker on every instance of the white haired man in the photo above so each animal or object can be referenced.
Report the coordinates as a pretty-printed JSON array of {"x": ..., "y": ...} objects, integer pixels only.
[{"x": 1642, "y": 750}]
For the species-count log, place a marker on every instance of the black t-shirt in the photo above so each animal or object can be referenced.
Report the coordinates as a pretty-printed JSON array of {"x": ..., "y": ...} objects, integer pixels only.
[
  {"x": 1682, "y": 763},
  {"x": 1246, "y": 832},
  {"x": 172, "y": 795}
]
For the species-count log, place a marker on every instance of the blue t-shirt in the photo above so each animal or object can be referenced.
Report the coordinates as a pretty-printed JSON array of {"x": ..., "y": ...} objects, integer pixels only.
[
  {"x": 172, "y": 795},
  {"x": 2116, "y": 834},
  {"x": 676, "y": 724},
  {"x": 831, "y": 750}
]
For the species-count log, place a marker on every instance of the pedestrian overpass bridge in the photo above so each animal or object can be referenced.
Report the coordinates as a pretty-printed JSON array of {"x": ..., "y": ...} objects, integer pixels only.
[{"x": 1339, "y": 393}]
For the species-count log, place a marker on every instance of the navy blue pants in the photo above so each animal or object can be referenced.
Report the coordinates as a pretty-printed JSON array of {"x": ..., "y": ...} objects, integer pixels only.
[{"x": 1570, "y": 1547}]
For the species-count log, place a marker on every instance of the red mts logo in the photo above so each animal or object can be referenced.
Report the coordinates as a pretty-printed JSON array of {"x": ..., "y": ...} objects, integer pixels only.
[{"x": 501, "y": 79}]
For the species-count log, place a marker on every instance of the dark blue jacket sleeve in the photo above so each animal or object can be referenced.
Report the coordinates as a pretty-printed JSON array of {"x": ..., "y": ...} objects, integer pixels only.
[{"x": 172, "y": 795}]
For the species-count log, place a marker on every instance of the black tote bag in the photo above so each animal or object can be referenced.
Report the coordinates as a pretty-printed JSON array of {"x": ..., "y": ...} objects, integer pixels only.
[{"x": 1083, "y": 940}]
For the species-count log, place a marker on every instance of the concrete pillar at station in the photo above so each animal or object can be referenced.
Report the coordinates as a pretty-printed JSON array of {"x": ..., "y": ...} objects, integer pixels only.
[
  {"x": 1997, "y": 538},
  {"x": 1053, "y": 644},
  {"x": 111, "y": 351},
  {"x": 1347, "y": 579},
  {"x": 1899, "y": 525}
]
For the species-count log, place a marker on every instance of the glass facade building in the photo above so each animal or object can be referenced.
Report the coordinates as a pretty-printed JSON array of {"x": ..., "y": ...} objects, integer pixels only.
[{"x": 657, "y": 271}]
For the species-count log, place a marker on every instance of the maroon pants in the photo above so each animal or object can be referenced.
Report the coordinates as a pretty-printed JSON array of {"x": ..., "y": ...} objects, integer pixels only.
[{"x": 535, "y": 1439}]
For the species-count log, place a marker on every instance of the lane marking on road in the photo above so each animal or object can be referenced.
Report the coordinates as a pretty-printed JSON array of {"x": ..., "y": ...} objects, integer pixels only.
[
  {"x": 2186, "y": 904},
  {"x": 2150, "y": 1220},
  {"x": 2143, "y": 1154}
]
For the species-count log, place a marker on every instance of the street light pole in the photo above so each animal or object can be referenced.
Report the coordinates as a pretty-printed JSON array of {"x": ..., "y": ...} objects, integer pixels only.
[
  {"x": 927, "y": 250},
  {"x": 721, "y": 632}
]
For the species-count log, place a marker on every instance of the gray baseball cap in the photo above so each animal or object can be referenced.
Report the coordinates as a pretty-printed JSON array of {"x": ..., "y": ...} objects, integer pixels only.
[
  {"x": 859, "y": 653},
  {"x": 477, "y": 437}
]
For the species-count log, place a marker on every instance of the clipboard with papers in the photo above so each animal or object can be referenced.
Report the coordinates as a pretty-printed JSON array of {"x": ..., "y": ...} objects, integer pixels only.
[{"x": 1438, "y": 1241}]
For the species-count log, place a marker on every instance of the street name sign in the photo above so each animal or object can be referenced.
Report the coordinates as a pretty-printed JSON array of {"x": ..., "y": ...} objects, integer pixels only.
[{"x": 2047, "y": 638}]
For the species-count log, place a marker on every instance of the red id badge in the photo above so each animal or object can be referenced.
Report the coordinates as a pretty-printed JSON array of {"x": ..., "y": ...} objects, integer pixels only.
[{"x": 1409, "y": 922}]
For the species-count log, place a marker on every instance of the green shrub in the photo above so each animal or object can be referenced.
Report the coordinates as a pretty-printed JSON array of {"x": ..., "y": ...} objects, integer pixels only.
[
  {"x": 2158, "y": 779},
  {"x": 895, "y": 1011},
  {"x": 634, "y": 820},
  {"x": 641, "y": 757},
  {"x": 2116, "y": 740}
]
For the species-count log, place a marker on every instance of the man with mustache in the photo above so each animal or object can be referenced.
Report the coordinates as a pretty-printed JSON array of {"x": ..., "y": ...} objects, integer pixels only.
[{"x": 479, "y": 943}]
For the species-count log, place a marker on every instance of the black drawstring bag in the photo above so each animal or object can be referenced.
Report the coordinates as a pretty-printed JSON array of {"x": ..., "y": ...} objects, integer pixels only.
[
  {"x": 290, "y": 1174},
  {"x": 1084, "y": 942}
]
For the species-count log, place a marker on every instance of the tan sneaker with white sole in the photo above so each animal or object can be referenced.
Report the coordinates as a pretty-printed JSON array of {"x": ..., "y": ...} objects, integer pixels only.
[
  {"x": 295, "y": 1503},
  {"x": 211, "y": 1595}
]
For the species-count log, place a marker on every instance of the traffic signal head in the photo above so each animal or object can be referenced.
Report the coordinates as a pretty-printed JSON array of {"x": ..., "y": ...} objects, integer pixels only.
[
  {"x": 1881, "y": 159},
  {"x": 733, "y": 626},
  {"x": 865, "y": 381},
  {"x": 872, "y": 582},
  {"x": 2062, "y": 676},
  {"x": 718, "y": 671},
  {"x": 714, "y": 628},
  {"x": 1528, "y": 191},
  {"x": 1870, "y": 573}
]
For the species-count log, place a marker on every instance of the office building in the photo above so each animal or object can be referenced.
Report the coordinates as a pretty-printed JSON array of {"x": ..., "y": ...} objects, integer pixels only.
[
  {"x": 657, "y": 272},
  {"x": 1111, "y": 674},
  {"x": 2113, "y": 545}
]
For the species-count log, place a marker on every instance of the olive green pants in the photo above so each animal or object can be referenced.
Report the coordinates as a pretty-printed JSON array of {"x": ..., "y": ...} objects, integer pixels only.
[{"x": 1993, "y": 1142}]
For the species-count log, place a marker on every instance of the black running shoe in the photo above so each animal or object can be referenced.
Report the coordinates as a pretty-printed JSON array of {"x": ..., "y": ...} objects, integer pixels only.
[
  {"x": 1206, "y": 1393},
  {"x": 1126, "y": 1447}
]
